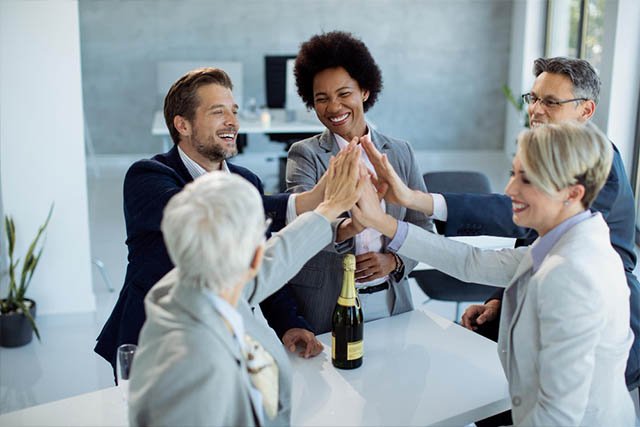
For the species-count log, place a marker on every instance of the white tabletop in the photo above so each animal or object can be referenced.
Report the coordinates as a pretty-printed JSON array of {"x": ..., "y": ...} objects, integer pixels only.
[
  {"x": 306, "y": 123},
  {"x": 99, "y": 408},
  {"x": 419, "y": 369}
]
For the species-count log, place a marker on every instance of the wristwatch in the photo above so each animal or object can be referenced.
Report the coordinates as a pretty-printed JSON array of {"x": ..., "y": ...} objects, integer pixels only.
[{"x": 399, "y": 264}]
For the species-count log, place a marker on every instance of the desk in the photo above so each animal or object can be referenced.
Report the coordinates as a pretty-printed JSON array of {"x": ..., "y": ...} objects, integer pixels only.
[
  {"x": 419, "y": 369},
  {"x": 308, "y": 123}
]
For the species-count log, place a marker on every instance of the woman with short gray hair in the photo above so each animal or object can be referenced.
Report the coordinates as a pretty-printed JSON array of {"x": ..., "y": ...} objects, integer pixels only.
[{"x": 203, "y": 358}]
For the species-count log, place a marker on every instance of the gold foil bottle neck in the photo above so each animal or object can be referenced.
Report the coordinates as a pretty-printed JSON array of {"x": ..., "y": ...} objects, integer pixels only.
[{"x": 349, "y": 262}]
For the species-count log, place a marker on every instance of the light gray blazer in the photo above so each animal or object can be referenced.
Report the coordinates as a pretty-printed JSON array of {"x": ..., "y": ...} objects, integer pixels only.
[
  {"x": 564, "y": 331},
  {"x": 188, "y": 369},
  {"x": 318, "y": 284}
]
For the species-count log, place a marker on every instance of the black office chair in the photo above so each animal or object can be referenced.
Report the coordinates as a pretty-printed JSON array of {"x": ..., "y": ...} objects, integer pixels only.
[{"x": 435, "y": 284}]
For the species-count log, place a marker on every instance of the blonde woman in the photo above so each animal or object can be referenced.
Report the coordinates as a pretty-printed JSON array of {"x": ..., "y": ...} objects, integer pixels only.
[{"x": 564, "y": 333}]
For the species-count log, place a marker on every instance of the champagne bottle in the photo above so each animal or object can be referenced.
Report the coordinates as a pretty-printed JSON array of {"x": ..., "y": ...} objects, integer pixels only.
[{"x": 348, "y": 324}]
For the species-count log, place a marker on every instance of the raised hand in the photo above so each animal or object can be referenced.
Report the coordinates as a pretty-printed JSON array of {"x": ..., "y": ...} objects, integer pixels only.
[
  {"x": 387, "y": 181},
  {"x": 368, "y": 210},
  {"x": 342, "y": 186}
]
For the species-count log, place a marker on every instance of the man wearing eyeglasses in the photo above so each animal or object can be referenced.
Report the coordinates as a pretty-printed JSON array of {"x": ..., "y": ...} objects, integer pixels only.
[{"x": 564, "y": 89}]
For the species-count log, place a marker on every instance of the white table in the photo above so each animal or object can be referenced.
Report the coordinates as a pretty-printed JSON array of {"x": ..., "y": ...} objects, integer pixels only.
[
  {"x": 304, "y": 123},
  {"x": 419, "y": 369}
]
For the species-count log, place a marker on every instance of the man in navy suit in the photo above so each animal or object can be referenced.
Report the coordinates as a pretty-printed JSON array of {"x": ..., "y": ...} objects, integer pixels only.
[
  {"x": 564, "y": 89},
  {"x": 201, "y": 115}
]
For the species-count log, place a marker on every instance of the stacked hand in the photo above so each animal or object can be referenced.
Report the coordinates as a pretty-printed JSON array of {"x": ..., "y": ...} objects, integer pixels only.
[
  {"x": 342, "y": 182},
  {"x": 388, "y": 183}
]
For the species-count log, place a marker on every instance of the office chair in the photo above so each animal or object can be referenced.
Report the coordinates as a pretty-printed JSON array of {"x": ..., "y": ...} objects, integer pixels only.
[{"x": 435, "y": 284}]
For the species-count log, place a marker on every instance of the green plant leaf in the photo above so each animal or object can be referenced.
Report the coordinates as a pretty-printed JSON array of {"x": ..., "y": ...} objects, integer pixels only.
[
  {"x": 508, "y": 93},
  {"x": 10, "y": 228},
  {"x": 17, "y": 290}
]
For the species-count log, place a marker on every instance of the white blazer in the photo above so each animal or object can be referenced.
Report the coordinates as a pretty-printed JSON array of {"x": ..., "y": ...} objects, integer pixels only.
[{"x": 564, "y": 330}]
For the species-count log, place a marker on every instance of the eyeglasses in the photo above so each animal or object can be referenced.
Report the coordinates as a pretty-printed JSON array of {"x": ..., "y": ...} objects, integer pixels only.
[{"x": 548, "y": 103}]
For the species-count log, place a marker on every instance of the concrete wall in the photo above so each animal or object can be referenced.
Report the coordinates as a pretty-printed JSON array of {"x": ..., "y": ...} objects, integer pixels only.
[
  {"x": 443, "y": 61},
  {"x": 42, "y": 147}
]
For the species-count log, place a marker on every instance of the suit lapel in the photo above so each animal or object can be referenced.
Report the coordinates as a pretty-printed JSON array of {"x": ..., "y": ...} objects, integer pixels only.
[
  {"x": 197, "y": 305},
  {"x": 328, "y": 147},
  {"x": 175, "y": 162},
  {"x": 513, "y": 301}
]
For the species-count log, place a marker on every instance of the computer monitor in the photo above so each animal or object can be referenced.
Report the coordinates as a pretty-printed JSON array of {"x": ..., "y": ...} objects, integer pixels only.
[{"x": 276, "y": 77}]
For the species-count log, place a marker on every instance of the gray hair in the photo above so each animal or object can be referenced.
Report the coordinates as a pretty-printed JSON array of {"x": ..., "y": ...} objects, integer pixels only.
[
  {"x": 556, "y": 156},
  {"x": 212, "y": 229},
  {"x": 586, "y": 83}
]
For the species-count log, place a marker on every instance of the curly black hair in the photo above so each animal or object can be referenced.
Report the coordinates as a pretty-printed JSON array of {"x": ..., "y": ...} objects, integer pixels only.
[{"x": 336, "y": 49}]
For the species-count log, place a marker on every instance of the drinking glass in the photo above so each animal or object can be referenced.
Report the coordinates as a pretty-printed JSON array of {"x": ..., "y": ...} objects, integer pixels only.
[{"x": 123, "y": 367}]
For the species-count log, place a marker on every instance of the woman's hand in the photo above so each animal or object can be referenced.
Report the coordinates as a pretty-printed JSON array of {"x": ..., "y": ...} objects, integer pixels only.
[
  {"x": 374, "y": 265},
  {"x": 388, "y": 183},
  {"x": 343, "y": 184},
  {"x": 368, "y": 211}
]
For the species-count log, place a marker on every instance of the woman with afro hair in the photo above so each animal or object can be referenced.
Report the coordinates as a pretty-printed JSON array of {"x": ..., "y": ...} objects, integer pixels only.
[{"x": 338, "y": 78}]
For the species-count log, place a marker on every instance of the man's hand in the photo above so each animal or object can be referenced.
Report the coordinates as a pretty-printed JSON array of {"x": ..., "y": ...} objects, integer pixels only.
[
  {"x": 373, "y": 265},
  {"x": 476, "y": 315},
  {"x": 308, "y": 343}
]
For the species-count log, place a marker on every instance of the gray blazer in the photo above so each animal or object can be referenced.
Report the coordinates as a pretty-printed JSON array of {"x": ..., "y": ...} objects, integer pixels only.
[
  {"x": 317, "y": 286},
  {"x": 564, "y": 330},
  {"x": 188, "y": 369}
]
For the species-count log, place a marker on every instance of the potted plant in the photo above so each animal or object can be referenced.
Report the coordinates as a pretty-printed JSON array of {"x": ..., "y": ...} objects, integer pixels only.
[
  {"x": 518, "y": 104},
  {"x": 17, "y": 313}
]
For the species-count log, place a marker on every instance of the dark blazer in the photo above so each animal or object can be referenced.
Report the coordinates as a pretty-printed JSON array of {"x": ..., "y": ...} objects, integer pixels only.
[
  {"x": 148, "y": 186},
  {"x": 615, "y": 202}
]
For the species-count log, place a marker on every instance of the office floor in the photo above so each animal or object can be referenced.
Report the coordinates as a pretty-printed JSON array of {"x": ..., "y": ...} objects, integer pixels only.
[{"x": 63, "y": 364}]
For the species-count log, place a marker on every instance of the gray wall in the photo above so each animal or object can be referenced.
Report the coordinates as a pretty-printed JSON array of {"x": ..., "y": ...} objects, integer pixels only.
[{"x": 443, "y": 61}]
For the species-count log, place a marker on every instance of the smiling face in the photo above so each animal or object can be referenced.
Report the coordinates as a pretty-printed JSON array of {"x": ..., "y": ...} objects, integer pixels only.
[
  {"x": 532, "y": 207},
  {"x": 557, "y": 87},
  {"x": 211, "y": 136},
  {"x": 338, "y": 102}
]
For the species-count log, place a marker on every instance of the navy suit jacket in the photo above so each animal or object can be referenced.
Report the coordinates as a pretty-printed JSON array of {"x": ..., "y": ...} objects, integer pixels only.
[
  {"x": 148, "y": 186},
  {"x": 615, "y": 202}
]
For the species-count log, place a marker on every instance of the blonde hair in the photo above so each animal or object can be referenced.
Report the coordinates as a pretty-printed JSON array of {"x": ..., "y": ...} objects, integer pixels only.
[
  {"x": 556, "y": 156},
  {"x": 212, "y": 229}
]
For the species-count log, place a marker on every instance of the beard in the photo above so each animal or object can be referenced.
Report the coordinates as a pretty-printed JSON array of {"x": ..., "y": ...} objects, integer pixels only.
[{"x": 213, "y": 150}]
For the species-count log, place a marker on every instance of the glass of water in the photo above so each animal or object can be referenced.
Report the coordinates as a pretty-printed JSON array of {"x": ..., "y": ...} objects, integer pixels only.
[{"x": 123, "y": 367}]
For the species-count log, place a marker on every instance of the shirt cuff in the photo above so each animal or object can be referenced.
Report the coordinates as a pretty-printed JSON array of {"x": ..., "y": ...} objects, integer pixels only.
[
  {"x": 440, "y": 212},
  {"x": 399, "y": 237},
  {"x": 291, "y": 209}
]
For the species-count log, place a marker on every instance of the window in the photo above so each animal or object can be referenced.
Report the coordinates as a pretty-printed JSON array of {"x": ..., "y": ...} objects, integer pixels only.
[{"x": 575, "y": 28}]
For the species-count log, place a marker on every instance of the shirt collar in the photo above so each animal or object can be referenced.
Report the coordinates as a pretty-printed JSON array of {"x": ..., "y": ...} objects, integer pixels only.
[
  {"x": 231, "y": 315},
  {"x": 194, "y": 169},
  {"x": 541, "y": 248},
  {"x": 343, "y": 143}
]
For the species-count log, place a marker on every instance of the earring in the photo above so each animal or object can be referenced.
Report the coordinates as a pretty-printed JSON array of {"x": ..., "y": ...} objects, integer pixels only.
[{"x": 566, "y": 203}]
